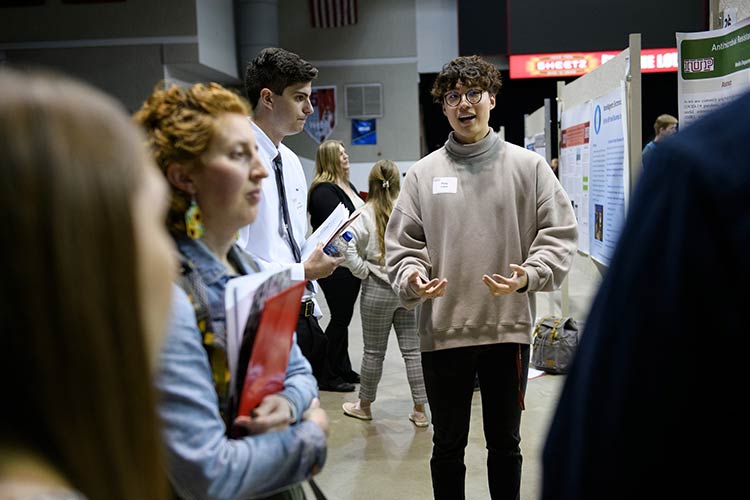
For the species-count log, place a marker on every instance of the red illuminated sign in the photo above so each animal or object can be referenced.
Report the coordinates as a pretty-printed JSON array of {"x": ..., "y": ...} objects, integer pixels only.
[{"x": 563, "y": 64}]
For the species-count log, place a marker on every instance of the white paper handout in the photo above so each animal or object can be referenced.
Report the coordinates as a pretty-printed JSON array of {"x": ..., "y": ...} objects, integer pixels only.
[{"x": 334, "y": 225}]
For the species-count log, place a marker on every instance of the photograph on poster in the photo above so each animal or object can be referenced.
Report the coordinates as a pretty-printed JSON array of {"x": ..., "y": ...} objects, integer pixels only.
[{"x": 599, "y": 222}]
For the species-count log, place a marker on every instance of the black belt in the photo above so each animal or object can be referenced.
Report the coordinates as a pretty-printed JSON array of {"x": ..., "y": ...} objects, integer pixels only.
[{"x": 307, "y": 309}]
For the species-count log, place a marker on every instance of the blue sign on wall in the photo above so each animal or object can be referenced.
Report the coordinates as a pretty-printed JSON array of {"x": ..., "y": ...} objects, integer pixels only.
[{"x": 363, "y": 132}]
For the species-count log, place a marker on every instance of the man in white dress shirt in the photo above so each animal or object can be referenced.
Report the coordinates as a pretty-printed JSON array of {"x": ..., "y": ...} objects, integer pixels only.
[{"x": 278, "y": 85}]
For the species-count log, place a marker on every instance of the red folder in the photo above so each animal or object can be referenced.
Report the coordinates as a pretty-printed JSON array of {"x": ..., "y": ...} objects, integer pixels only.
[{"x": 266, "y": 369}]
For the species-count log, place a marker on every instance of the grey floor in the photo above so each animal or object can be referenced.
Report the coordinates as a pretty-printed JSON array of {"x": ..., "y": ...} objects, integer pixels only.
[{"x": 388, "y": 457}]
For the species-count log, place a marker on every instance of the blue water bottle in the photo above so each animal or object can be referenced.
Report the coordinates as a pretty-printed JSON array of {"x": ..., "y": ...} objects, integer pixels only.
[{"x": 337, "y": 247}]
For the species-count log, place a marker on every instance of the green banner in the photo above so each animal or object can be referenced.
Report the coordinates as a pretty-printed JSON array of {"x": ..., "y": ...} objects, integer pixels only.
[{"x": 715, "y": 57}]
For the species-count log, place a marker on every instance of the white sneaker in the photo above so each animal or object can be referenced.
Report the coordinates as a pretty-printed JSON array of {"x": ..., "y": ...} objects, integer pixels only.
[{"x": 419, "y": 419}]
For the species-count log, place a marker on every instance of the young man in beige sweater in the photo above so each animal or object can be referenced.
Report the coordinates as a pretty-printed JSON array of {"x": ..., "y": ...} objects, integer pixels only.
[{"x": 480, "y": 225}]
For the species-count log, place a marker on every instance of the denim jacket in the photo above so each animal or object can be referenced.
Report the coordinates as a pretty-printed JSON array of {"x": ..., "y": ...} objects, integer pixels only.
[{"x": 203, "y": 462}]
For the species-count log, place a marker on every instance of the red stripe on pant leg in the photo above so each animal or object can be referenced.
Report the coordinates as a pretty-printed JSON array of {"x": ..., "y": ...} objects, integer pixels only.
[{"x": 519, "y": 370}]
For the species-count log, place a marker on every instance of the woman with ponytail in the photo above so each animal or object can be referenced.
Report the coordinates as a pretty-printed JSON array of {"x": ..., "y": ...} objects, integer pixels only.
[{"x": 379, "y": 305}]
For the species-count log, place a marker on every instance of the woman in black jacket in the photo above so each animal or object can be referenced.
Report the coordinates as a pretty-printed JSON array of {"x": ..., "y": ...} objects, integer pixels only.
[{"x": 329, "y": 187}]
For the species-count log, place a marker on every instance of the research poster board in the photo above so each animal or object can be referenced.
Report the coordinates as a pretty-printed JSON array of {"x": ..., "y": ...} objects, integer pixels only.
[
  {"x": 536, "y": 143},
  {"x": 575, "y": 132},
  {"x": 624, "y": 71},
  {"x": 714, "y": 69},
  {"x": 540, "y": 144},
  {"x": 609, "y": 174},
  {"x": 536, "y": 130}
]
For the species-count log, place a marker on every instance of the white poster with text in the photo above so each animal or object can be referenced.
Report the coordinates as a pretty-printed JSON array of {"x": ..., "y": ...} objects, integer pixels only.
[
  {"x": 714, "y": 69},
  {"x": 575, "y": 125},
  {"x": 609, "y": 173}
]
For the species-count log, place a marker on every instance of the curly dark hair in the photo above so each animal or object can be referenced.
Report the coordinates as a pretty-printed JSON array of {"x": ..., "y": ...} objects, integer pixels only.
[
  {"x": 274, "y": 68},
  {"x": 470, "y": 71}
]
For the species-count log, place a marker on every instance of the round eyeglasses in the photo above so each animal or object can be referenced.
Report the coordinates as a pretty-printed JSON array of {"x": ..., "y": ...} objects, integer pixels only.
[{"x": 453, "y": 98}]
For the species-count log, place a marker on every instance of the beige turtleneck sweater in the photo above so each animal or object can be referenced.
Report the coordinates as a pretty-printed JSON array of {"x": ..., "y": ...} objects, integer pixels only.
[{"x": 467, "y": 210}]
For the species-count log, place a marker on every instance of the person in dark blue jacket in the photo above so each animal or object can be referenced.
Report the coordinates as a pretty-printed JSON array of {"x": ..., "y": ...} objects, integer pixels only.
[{"x": 651, "y": 406}]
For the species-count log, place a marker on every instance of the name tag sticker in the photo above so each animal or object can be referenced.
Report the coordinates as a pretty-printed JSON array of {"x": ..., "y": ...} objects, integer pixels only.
[{"x": 442, "y": 185}]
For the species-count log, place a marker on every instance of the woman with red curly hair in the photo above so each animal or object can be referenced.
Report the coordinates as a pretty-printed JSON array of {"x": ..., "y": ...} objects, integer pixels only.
[{"x": 202, "y": 140}]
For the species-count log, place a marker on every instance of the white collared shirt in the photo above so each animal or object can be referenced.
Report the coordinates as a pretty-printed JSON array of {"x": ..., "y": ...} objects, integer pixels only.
[{"x": 263, "y": 237}]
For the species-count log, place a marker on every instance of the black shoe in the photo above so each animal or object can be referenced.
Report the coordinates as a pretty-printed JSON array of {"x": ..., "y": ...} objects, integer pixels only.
[
  {"x": 352, "y": 377},
  {"x": 337, "y": 387}
]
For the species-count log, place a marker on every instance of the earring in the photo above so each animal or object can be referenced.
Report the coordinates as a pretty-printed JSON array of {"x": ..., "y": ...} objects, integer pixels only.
[{"x": 194, "y": 220}]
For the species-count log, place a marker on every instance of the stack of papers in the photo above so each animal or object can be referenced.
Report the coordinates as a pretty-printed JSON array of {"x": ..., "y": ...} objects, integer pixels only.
[{"x": 332, "y": 227}]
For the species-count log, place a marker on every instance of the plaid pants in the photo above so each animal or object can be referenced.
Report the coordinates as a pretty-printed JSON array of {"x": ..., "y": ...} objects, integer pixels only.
[{"x": 380, "y": 309}]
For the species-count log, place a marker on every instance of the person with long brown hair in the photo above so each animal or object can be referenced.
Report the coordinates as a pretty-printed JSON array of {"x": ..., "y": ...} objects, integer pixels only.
[
  {"x": 379, "y": 305},
  {"x": 84, "y": 297},
  {"x": 203, "y": 143},
  {"x": 329, "y": 187}
]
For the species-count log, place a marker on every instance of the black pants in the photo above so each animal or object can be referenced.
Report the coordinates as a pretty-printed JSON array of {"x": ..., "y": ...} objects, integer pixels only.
[
  {"x": 313, "y": 343},
  {"x": 449, "y": 378},
  {"x": 341, "y": 289}
]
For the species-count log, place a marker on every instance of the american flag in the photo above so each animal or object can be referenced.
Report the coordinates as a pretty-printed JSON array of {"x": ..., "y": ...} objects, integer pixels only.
[{"x": 333, "y": 13}]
